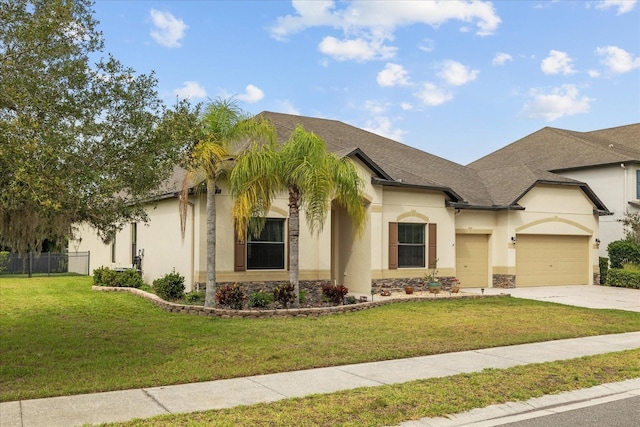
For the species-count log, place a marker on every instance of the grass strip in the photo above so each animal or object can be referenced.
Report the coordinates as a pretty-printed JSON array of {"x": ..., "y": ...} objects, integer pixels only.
[
  {"x": 393, "y": 404},
  {"x": 58, "y": 337}
]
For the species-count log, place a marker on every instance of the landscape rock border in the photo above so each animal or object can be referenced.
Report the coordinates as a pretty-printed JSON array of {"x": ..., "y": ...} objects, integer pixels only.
[{"x": 281, "y": 312}]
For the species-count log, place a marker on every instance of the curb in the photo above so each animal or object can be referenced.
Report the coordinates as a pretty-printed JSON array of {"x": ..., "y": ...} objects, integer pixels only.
[{"x": 510, "y": 412}]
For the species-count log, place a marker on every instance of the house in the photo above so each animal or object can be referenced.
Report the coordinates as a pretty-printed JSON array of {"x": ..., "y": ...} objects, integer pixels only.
[
  {"x": 510, "y": 225},
  {"x": 607, "y": 160}
]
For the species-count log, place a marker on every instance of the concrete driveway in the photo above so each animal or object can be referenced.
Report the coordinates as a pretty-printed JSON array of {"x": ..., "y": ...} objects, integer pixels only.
[{"x": 590, "y": 296}]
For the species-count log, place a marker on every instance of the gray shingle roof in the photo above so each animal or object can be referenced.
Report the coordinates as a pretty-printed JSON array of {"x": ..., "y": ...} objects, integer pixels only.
[
  {"x": 553, "y": 149},
  {"x": 496, "y": 181},
  {"x": 402, "y": 163}
]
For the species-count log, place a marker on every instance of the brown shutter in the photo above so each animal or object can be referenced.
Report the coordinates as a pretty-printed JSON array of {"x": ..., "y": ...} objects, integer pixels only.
[
  {"x": 433, "y": 245},
  {"x": 393, "y": 246},
  {"x": 239, "y": 253}
]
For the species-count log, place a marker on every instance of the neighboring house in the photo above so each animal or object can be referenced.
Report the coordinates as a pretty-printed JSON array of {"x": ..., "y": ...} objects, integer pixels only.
[
  {"x": 607, "y": 160},
  {"x": 512, "y": 225}
]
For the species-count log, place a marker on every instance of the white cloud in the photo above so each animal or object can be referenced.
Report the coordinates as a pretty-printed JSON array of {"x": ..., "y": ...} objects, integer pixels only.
[
  {"x": 393, "y": 75},
  {"x": 384, "y": 126},
  {"x": 593, "y": 73},
  {"x": 456, "y": 74},
  {"x": 623, "y": 6},
  {"x": 427, "y": 45},
  {"x": 358, "y": 15},
  {"x": 251, "y": 94},
  {"x": 308, "y": 14},
  {"x": 501, "y": 58},
  {"x": 557, "y": 63},
  {"x": 190, "y": 90},
  {"x": 618, "y": 60},
  {"x": 375, "y": 107},
  {"x": 285, "y": 106},
  {"x": 356, "y": 49},
  {"x": 559, "y": 102},
  {"x": 432, "y": 95},
  {"x": 168, "y": 30},
  {"x": 368, "y": 25},
  {"x": 406, "y": 106}
]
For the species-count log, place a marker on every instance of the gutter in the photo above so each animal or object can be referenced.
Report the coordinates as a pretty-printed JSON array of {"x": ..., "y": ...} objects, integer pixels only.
[{"x": 452, "y": 195}]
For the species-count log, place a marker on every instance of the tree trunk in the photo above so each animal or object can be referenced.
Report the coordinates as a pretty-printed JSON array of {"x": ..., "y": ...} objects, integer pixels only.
[
  {"x": 210, "y": 294},
  {"x": 294, "y": 238}
]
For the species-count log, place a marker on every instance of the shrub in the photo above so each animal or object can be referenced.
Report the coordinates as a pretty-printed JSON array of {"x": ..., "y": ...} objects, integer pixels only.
[
  {"x": 170, "y": 286},
  {"x": 350, "y": 299},
  {"x": 622, "y": 252},
  {"x": 334, "y": 293},
  {"x": 231, "y": 296},
  {"x": 4, "y": 259},
  {"x": 260, "y": 299},
  {"x": 604, "y": 267},
  {"x": 104, "y": 276},
  {"x": 627, "y": 278},
  {"x": 303, "y": 297},
  {"x": 195, "y": 298},
  {"x": 284, "y": 294},
  {"x": 127, "y": 279},
  {"x": 98, "y": 276}
]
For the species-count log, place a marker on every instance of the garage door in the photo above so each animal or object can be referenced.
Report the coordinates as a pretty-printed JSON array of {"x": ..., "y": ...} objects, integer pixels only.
[
  {"x": 543, "y": 260},
  {"x": 472, "y": 260}
]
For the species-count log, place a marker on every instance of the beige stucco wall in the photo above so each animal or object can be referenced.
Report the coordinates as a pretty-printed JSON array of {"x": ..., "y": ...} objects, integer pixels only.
[
  {"x": 559, "y": 210},
  {"x": 160, "y": 239},
  {"x": 336, "y": 253},
  {"x": 397, "y": 204}
]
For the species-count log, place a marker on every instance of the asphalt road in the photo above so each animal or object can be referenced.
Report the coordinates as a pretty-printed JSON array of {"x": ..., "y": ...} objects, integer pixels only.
[{"x": 619, "y": 413}]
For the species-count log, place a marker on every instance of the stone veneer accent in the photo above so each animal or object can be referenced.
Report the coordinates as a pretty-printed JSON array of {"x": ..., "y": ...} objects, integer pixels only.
[
  {"x": 504, "y": 281},
  {"x": 397, "y": 285},
  {"x": 255, "y": 313}
]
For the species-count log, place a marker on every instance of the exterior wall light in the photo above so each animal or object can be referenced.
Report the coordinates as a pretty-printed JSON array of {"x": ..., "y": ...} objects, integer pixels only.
[{"x": 513, "y": 239}]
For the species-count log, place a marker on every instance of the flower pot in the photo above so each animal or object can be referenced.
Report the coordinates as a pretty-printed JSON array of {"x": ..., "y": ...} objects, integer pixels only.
[
  {"x": 408, "y": 289},
  {"x": 455, "y": 289},
  {"x": 434, "y": 287}
]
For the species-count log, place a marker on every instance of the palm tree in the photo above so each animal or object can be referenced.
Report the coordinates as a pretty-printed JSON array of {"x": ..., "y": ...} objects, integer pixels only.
[
  {"x": 225, "y": 126},
  {"x": 311, "y": 175}
]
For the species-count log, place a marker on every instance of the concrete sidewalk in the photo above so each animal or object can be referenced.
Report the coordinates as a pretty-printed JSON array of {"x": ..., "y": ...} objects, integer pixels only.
[{"x": 143, "y": 403}]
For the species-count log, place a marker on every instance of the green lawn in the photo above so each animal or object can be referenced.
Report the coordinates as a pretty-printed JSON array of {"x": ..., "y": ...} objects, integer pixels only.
[{"x": 58, "y": 337}]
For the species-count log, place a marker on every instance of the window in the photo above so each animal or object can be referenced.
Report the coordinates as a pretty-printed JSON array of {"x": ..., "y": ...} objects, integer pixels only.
[
  {"x": 638, "y": 184},
  {"x": 266, "y": 252},
  {"x": 411, "y": 247},
  {"x": 134, "y": 241},
  {"x": 113, "y": 249}
]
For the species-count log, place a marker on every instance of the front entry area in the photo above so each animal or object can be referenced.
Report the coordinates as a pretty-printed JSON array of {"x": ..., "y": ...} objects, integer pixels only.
[
  {"x": 552, "y": 260},
  {"x": 472, "y": 260}
]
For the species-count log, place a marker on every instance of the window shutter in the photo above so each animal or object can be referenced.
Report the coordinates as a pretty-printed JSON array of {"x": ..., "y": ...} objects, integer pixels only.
[
  {"x": 433, "y": 244},
  {"x": 393, "y": 246},
  {"x": 239, "y": 253}
]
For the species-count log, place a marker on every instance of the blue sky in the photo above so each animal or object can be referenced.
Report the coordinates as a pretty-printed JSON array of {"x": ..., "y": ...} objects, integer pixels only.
[{"x": 458, "y": 79}]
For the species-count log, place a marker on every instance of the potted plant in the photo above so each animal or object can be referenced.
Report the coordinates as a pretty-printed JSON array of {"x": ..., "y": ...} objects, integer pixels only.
[
  {"x": 431, "y": 278},
  {"x": 455, "y": 286},
  {"x": 408, "y": 289}
]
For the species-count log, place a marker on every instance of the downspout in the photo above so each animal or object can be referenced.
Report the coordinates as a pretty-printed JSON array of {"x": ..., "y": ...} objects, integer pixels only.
[
  {"x": 626, "y": 189},
  {"x": 192, "y": 250}
]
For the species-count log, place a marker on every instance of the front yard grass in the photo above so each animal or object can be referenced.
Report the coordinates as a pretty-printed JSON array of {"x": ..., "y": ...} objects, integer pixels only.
[{"x": 58, "y": 337}]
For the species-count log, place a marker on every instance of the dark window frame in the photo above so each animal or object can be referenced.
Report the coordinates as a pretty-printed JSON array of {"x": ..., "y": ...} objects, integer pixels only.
[
  {"x": 260, "y": 250},
  {"x": 411, "y": 246}
]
